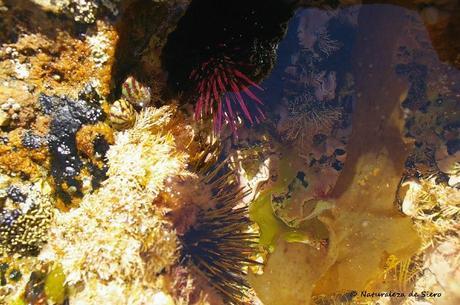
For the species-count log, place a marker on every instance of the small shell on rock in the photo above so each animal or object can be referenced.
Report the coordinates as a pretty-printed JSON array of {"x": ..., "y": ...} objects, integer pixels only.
[
  {"x": 122, "y": 114},
  {"x": 136, "y": 92}
]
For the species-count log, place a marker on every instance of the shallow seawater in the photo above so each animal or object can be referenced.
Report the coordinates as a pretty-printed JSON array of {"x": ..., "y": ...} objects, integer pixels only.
[
  {"x": 246, "y": 152},
  {"x": 377, "y": 68}
]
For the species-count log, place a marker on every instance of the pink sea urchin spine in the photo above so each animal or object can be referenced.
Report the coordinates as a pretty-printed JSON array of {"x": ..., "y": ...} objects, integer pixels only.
[{"x": 220, "y": 87}]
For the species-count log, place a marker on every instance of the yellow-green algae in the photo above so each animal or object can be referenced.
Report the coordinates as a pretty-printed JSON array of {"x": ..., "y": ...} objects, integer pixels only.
[
  {"x": 261, "y": 210},
  {"x": 18, "y": 301},
  {"x": 271, "y": 227},
  {"x": 55, "y": 285}
]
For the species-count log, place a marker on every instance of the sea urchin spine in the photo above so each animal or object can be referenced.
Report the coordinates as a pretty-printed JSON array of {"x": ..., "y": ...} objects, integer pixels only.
[
  {"x": 220, "y": 246},
  {"x": 220, "y": 87}
]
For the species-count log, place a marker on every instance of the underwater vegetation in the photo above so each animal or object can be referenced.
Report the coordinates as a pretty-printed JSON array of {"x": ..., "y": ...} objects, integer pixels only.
[
  {"x": 359, "y": 200},
  {"x": 106, "y": 253},
  {"x": 199, "y": 152}
]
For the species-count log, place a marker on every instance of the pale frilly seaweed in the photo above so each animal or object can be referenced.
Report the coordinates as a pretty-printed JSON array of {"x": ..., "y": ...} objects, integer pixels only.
[
  {"x": 435, "y": 209},
  {"x": 117, "y": 240}
]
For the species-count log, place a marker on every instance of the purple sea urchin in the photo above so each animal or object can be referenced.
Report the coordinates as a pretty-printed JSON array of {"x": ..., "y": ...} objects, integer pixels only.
[{"x": 219, "y": 246}]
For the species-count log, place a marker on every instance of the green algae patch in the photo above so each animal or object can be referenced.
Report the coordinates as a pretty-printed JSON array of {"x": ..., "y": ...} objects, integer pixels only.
[
  {"x": 55, "y": 289},
  {"x": 261, "y": 211},
  {"x": 297, "y": 240},
  {"x": 283, "y": 209}
]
